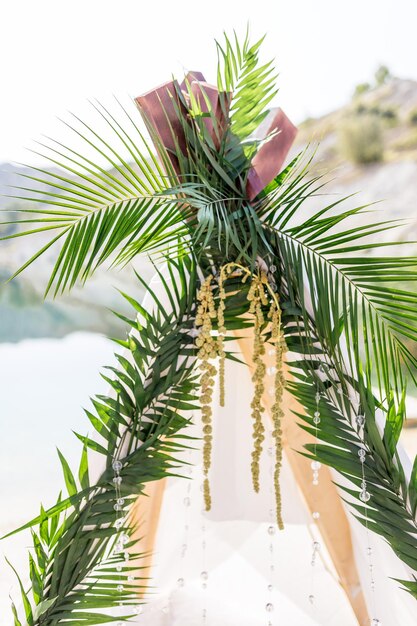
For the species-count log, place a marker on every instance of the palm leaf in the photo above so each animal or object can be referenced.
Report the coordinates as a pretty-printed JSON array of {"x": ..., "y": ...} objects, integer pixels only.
[
  {"x": 94, "y": 210},
  {"x": 75, "y": 571},
  {"x": 349, "y": 283},
  {"x": 252, "y": 86}
]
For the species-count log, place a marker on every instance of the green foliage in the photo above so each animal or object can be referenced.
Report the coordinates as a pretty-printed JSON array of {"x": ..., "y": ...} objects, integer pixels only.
[
  {"x": 347, "y": 334},
  {"x": 252, "y": 85},
  {"x": 388, "y": 513},
  {"x": 389, "y": 114},
  {"x": 382, "y": 75},
  {"x": 412, "y": 118},
  {"x": 95, "y": 211},
  {"x": 361, "y": 139},
  {"x": 360, "y": 89},
  {"x": 73, "y": 564}
]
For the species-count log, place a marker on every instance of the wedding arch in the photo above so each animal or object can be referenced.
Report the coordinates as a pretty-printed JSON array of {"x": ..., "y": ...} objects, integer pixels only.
[{"x": 324, "y": 319}]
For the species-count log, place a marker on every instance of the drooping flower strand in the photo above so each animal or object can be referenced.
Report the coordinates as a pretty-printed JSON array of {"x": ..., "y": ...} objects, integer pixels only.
[
  {"x": 224, "y": 272},
  {"x": 277, "y": 338},
  {"x": 258, "y": 298},
  {"x": 207, "y": 346},
  {"x": 260, "y": 295}
]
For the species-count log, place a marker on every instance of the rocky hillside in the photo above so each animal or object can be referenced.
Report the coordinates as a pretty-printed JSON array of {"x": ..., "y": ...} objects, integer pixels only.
[
  {"x": 384, "y": 118},
  {"x": 369, "y": 147}
]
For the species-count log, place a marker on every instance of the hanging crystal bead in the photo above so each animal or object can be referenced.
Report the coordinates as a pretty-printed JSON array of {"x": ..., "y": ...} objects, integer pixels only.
[{"x": 360, "y": 420}]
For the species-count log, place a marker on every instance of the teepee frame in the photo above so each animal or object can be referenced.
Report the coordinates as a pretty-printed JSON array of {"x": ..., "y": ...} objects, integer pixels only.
[{"x": 333, "y": 523}]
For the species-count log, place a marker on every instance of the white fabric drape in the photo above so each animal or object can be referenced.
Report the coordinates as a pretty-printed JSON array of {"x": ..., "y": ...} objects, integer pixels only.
[
  {"x": 237, "y": 555},
  {"x": 237, "y": 544}
]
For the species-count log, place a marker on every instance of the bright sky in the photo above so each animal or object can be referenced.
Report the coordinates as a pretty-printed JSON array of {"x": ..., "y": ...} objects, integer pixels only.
[{"x": 57, "y": 55}]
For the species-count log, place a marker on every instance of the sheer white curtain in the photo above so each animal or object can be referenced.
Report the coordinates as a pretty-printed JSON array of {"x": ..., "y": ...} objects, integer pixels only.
[{"x": 237, "y": 555}]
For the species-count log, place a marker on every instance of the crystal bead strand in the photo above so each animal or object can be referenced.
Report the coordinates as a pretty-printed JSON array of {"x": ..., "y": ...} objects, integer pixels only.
[
  {"x": 269, "y": 607},
  {"x": 315, "y": 466},
  {"x": 184, "y": 545},
  {"x": 123, "y": 538},
  {"x": 365, "y": 496},
  {"x": 204, "y": 573}
]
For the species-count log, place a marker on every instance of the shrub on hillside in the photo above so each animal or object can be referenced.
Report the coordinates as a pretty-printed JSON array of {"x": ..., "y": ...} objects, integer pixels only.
[
  {"x": 387, "y": 114},
  {"x": 361, "y": 139},
  {"x": 361, "y": 89},
  {"x": 382, "y": 75},
  {"x": 412, "y": 118}
]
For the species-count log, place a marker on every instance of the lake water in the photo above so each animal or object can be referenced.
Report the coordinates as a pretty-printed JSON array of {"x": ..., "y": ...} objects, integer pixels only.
[{"x": 44, "y": 385}]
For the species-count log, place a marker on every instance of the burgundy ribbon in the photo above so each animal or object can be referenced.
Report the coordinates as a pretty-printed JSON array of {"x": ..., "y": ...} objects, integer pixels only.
[{"x": 159, "y": 108}]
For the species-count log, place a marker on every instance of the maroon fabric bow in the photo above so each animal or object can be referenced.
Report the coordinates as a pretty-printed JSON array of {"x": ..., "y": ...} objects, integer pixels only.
[{"x": 159, "y": 108}]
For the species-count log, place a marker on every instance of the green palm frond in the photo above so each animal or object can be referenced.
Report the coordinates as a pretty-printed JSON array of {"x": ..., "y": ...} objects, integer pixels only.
[
  {"x": 75, "y": 571},
  {"x": 98, "y": 213},
  {"x": 391, "y": 510},
  {"x": 253, "y": 86},
  {"x": 349, "y": 285},
  {"x": 334, "y": 354}
]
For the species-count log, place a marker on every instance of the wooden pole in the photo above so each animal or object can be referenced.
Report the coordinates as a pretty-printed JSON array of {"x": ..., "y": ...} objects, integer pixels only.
[{"x": 146, "y": 513}]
